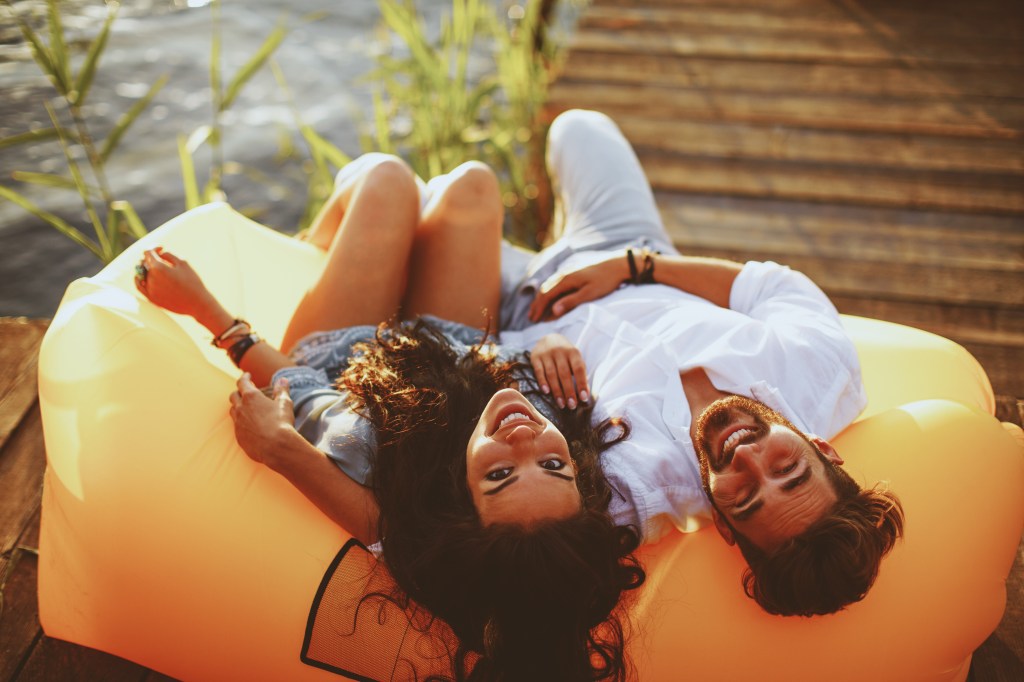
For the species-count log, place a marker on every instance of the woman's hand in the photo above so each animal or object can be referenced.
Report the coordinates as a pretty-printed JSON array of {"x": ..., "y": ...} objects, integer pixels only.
[
  {"x": 562, "y": 293},
  {"x": 172, "y": 284},
  {"x": 262, "y": 424},
  {"x": 560, "y": 370}
]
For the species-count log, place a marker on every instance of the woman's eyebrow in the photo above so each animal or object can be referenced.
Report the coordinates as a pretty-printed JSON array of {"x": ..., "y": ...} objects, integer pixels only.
[
  {"x": 557, "y": 474},
  {"x": 504, "y": 484}
]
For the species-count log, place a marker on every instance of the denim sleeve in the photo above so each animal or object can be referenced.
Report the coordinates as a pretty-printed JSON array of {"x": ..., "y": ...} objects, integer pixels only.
[{"x": 324, "y": 418}]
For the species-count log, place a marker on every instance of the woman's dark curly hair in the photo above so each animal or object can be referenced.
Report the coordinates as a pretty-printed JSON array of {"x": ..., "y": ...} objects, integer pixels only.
[{"x": 526, "y": 603}]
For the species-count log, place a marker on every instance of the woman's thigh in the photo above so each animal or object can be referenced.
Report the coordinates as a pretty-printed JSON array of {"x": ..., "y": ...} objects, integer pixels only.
[
  {"x": 455, "y": 266},
  {"x": 364, "y": 276}
]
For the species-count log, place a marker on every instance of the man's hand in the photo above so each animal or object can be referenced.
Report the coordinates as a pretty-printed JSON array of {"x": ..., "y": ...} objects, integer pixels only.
[
  {"x": 561, "y": 293},
  {"x": 560, "y": 370},
  {"x": 262, "y": 424}
]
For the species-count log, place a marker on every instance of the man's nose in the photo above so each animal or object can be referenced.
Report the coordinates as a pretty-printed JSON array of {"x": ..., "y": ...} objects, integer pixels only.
[{"x": 747, "y": 457}]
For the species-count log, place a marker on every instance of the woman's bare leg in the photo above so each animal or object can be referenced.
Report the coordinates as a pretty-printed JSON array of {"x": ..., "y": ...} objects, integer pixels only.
[
  {"x": 369, "y": 227},
  {"x": 455, "y": 268}
]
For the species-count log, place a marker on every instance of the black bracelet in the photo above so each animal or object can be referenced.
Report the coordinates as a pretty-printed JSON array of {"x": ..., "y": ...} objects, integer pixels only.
[
  {"x": 646, "y": 276},
  {"x": 632, "y": 266},
  {"x": 239, "y": 348}
]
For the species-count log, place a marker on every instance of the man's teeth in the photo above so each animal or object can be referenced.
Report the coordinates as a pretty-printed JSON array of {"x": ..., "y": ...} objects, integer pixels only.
[
  {"x": 735, "y": 438},
  {"x": 512, "y": 417}
]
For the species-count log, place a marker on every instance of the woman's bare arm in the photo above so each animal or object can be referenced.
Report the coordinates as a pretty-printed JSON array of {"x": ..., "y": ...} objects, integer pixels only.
[
  {"x": 264, "y": 430},
  {"x": 174, "y": 285}
]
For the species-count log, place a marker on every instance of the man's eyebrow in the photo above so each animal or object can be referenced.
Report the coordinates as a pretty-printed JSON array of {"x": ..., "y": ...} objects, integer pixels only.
[
  {"x": 749, "y": 511},
  {"x": 504, "y": 484},
  {"x": 788, "y": 486},
  {"x": 797, "y": 481}
]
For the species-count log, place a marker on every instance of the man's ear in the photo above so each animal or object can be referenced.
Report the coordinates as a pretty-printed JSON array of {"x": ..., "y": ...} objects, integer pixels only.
[
  {"x": 827, "y": 450},
  {"x": 724, "y": 529}
]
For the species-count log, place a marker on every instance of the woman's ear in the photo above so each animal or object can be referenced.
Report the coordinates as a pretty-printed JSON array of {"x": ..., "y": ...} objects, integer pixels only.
[{"x": 724, "y": 529}]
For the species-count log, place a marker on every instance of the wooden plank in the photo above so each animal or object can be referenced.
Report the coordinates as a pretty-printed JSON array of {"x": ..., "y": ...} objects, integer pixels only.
[
  {"x": 994, "y": 325},
  {"x": 918, "y": 283},
  {"x": 843, "y": 231},
  {"x": 1002, "y": 365},
  {"x": 962, "y": 118},
  {"x": 793, "y": 46},
  {"x": 786, "y": 78},
  {"x": 53, "y": 659},
  {"x": 885, "y": 21},
  {"x": 1010, "y": 409},
  {"x": 19, "y": 617},
  {"x": 768, "y": 141},
  {"x": 19, "y": 343},
  {"x": 941, "y": 190},
  {"x": 21, "y": 478},
  {"x": 1000, "y": 658}
]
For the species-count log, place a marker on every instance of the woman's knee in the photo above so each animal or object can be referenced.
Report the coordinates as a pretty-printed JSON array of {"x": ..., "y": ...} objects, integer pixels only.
[
  {"x": 372, "y": 163},
  {"x": 471, "y": 190},
  {"x": 389, "y": 178}
]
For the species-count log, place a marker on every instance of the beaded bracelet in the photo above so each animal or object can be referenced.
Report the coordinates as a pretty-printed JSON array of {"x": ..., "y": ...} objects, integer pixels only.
[
  {"x": 238, "y": 325},
  {"x": 239, "y": 348}
]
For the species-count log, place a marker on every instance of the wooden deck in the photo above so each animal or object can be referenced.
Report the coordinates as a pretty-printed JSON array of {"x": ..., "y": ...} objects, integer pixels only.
[{"x": 874, "y": 144}]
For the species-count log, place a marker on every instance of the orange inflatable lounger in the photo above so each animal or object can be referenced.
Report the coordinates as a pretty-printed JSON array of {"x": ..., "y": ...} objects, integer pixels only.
[{"x": 164, "y": 544}]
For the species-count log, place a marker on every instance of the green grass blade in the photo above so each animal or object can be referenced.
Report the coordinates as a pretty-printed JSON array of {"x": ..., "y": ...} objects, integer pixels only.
[
  {"x": 40, "y": 135},
  {"x": 254, "y": 64},
  {"x": 87, "y": 72},
  {"x": 83, "y": 190},
  {"x": 41, "y": 54},
  {"x": 58, "y": 48},
  {"x": 135, "y": 225},
  {"x": 64, "y": 228},
  {"x": 129, "y": 117},
  {"x": 188, "y": 174},
  {"x": 51, "y": 180},
  {"x": 329, "y": 151}
]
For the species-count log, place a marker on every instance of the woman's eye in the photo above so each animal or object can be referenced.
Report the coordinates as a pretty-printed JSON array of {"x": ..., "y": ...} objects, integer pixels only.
[
  {"x": 553, "y": 464},
  {"x": 499, "y": 474}
]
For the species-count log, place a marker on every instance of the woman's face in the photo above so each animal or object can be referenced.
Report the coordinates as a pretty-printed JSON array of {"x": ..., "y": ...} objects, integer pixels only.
[{"x": 517, "y": 464}]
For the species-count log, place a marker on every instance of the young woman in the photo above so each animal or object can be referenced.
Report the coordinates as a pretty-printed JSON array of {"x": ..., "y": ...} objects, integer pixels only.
[{"x": 489, "y": 504}]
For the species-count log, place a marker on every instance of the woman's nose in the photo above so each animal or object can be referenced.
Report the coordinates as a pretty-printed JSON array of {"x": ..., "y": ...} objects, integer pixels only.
[{"x": 519, "y": 434}]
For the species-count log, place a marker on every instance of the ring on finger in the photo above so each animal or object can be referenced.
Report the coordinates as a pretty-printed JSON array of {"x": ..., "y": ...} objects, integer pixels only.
[{"x": 141, "y": 271}]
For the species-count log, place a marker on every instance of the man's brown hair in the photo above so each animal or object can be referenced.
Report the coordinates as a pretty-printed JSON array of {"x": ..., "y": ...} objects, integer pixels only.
[{"x": 834, "y": 561}]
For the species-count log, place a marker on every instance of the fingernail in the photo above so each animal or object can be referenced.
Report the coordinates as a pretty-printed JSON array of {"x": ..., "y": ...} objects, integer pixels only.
[
  {"x": 572, "y": 404},
  {"x": 561, "y": 403},
  {"x": 584, "y": 396},
  {"x": 546, "y": 389}
]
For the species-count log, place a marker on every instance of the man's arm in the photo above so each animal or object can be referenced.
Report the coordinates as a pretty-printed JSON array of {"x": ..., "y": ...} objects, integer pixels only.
[{"x": 709, "y": 278}]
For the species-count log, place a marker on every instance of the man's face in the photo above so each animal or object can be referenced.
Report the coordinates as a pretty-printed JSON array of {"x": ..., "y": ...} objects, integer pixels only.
[{"x": 766, "y": 480}]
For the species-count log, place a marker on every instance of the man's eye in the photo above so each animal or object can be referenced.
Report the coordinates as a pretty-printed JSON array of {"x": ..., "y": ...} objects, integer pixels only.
[
  {"x": 785, "y": 470},
  {"x": 499, "y": 474},
  {"x": 553, "y": 464}
]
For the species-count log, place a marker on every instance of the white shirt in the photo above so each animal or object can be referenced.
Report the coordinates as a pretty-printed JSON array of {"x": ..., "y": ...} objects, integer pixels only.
[{"x": 780, "y": 342}]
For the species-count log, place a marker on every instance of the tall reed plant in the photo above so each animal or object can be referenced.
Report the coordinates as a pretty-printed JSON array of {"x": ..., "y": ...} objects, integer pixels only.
[
  {"x": 433, "y": 111},
  {"x": 114, "y": 222}
]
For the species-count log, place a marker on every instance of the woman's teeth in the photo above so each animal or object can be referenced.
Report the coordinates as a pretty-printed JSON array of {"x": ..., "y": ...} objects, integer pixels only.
[{"x": 512, "y": 417}]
